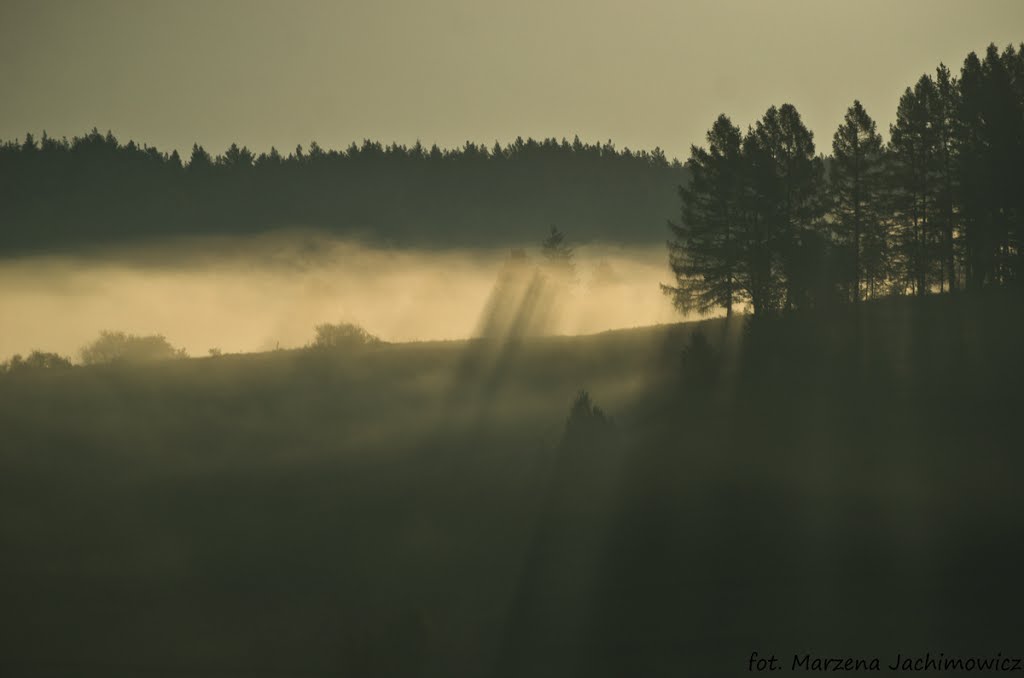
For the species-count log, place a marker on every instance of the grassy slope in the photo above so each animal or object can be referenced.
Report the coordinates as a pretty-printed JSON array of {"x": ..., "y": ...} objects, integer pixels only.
[{"x": 840, "y": 484}]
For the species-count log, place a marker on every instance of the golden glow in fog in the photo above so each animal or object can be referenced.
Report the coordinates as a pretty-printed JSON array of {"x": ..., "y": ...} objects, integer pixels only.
[{"x": 242, "y": 295}]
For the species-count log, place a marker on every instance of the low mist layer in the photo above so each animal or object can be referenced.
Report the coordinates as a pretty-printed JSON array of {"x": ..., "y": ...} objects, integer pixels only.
[{"x": 255, "y": 294}]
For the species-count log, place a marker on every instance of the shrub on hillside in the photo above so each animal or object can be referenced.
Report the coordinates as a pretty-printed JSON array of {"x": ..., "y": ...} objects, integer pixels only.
[
  {"x": 343, "y": 335},
  {"x": 112, "y": 347}
]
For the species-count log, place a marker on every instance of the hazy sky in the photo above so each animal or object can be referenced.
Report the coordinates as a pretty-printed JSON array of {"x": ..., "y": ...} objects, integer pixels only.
[{"x": 643, "y": 74}]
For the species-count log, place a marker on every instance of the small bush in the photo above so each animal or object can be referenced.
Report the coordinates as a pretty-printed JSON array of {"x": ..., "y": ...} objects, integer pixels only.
[
  {"x": 113, "y": 347},
  {"x": 343, "y": 335}
]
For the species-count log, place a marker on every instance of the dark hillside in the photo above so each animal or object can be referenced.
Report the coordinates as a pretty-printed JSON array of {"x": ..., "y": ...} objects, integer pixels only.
[{"x": 819, "y": 484}]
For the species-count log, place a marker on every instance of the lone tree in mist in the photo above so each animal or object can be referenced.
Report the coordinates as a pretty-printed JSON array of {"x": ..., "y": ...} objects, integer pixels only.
[
  {"x": 706, "y": 251},
  {"x": 857, "y": 186},
  {"x": 558, "y": 255}
]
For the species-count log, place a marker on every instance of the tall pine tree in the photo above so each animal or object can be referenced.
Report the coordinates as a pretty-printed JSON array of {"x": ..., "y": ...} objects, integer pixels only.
[
  {"x": 912, "y": 146},
  {"x": 946, "y": 129},
  {"x": 705, "y": 254},
  {"x": 793, "y": 190},
  {"x": 857, "y": 188},
  {"x": 991, "y": 145}
]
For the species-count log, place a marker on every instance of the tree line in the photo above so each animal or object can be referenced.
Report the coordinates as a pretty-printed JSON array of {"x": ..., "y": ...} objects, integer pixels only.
[
  {"x": 95, "y": 189},
  {"x": 769, "y": 225}
]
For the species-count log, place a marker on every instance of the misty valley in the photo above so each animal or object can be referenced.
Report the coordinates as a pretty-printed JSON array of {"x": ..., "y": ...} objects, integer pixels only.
[
  {"x": 542, "y": 407},
  {"x": 516, "y": 504}
]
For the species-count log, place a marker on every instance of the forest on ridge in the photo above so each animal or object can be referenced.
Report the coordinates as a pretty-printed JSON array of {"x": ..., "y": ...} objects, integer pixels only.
[
  {"x": 769, "y": 225},
  {"x": 93, "y": 189}
]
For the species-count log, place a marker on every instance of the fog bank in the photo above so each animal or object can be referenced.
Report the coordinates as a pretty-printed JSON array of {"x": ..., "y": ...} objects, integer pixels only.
[{"x": 256, "y": 294}]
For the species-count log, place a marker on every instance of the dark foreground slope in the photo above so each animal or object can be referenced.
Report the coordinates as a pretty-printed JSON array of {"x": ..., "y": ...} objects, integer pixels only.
[{"x": 837, "y": 485}]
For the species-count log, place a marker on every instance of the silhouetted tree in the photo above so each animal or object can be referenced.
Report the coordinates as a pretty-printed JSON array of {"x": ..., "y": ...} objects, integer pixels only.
[
  {"x": 857, "y": 192},
  {"x": 587, "y": 426},
  {"x": 793, "y": 193},
  {"x": 760, "y": 271},
  {"x": 706, "y": 252},
  {"x": 945, "y": 122},
  {"x": 941, "y": 204},
  {"x": 991, "y": 131},
  {"x": 200, "y": 160},
  {"x": 913, "y": 144},
  {"x": 558, "y": 256}
]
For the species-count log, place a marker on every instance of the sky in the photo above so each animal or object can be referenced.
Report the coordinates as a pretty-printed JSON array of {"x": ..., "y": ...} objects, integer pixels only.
[{"x": 642, "y": 73}]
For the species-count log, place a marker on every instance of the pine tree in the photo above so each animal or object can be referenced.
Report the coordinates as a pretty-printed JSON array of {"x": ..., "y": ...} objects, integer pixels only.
[
  {"x": 558, "y": 256},
  {"x": 912, "y": 146},
  {"x": 705, "y": 252},
  {"x": 944, "y": 183},
  {"x": 759, "y": 206},
  {"x": 856, "y": 182},
  {"x": 795, "y": 190},
  {"x": 991, "y": 143},
  {"x": 200, "y": 160}
]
